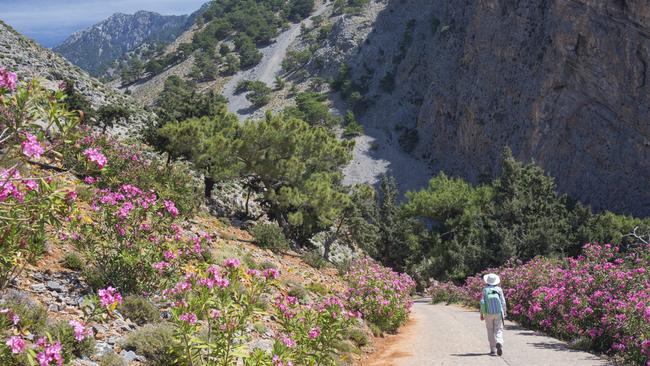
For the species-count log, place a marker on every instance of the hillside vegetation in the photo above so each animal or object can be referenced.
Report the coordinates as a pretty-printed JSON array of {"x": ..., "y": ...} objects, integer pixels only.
[{"x": 149, "y": 273}]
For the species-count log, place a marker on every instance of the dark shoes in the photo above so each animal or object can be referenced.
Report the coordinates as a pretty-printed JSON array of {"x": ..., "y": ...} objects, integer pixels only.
[
  {"x": 499, "y": 349},
  {"x": 492, "y": 353}
]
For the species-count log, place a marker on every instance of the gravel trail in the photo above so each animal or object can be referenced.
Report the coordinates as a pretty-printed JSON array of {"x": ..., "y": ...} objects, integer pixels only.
[
  {"x": 452, "y": 335},
  {"x": 269, "y": 67}
]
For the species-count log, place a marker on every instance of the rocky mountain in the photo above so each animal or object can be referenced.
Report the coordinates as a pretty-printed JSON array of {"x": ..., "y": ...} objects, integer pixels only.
[
  {"x": 96, "y": 48},
  {"x": 29, "y": 61},
  {"x": 563, "y": 83}
]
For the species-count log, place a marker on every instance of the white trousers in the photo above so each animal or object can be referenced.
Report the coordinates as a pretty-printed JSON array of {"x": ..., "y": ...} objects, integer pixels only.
[{"x": 494, "y": 325}]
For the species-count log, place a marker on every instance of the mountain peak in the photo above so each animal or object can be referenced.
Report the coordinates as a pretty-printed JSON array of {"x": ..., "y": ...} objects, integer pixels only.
[{"x": 96, "y": 48}]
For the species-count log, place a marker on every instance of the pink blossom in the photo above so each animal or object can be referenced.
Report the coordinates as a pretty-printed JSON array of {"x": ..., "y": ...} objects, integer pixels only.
[
  {"x": 80, "y": 332},
  {"x": 287, "y": 341},
  {"x": 189, "y": 318},
  {"x": 31, "y": 147},
  {"x": 271, "y": 273},
  {"x": 215, "y": 314},
  {"x": 90, "y": 180},
  {"x": 314, "y": 333},
  {"x": 109, "y": 297},
  {"x": 30, "y": 184},
  {"x": 16, "y": 344},
  {"x": 8, "y": 79},
  {"x": 96, "y": 156},
  {"x": 71, "y": 196},
  {"x": 51, "y": 353},
  {"x": 171, "y": 208},
  {"x": 231, "y": 263}
]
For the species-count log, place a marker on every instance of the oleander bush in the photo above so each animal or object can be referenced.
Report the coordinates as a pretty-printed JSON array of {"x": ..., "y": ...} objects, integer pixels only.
[
  {"x": 34, "y": 125},
  {"x": 602, "y": 295},
  {"x": 380, "y": 294}
]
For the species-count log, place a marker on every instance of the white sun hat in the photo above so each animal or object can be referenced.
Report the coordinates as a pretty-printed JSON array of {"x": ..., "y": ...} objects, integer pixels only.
[{"x": 491, "y": 279}]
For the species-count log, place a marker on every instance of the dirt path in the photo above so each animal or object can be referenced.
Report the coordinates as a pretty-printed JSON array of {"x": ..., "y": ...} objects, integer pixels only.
[
  {"x": 452, "y": 335},
  {"x": 269, "y": 67}
]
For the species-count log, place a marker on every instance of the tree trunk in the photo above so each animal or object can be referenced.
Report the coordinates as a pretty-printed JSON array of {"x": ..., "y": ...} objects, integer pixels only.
[
  {"x": 209, "y": 186},
  {"x": 248, "y": 198}
]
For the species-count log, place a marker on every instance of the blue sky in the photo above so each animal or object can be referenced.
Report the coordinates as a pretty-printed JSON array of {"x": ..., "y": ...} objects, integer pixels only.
[{"x": 51, "y": 21}]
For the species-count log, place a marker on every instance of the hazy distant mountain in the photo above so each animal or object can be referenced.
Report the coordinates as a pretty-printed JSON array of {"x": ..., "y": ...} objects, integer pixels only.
[{"x": 97, "y": 47}]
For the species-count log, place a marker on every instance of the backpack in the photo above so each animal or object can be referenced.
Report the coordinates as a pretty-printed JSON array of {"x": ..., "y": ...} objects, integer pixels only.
[{"x": 492, "y": 301}]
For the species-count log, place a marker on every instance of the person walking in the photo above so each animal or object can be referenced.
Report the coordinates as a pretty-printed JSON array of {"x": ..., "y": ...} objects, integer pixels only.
[{"x": 493, "y": 312}]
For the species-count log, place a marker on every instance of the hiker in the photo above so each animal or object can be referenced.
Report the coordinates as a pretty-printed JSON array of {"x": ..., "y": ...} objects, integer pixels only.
[{"x": 493, "y": 311}]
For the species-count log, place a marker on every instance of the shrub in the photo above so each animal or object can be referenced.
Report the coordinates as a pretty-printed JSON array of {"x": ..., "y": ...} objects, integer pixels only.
[
  {"x": 268, "y": 265},
  {"x": 260, "y": 94},
  {"x": 32, "y": 315},
  {"x": 353, "y": 129},
  {"x": 63, "y": 332},
  {"x": 219, "y": 302},
  {"x": 112, "y": 359},
  {"x": 318, "y": 288},
  {"x": 315, "y": 259},
  {"x": 297, "y": 290},
  {"x": 140, "y": 310},
  {"x": 358, "y": 335},
  {"x": 270, "y": 236},
  {"x": 73, "y": 262},
  {"x": 154, "y": 342},
  {"x": 135, "y": 164},
  {"x": 381, "y": 295},
  {"x": 30, "y": 198},
  {"x": 310, "y": 334},
  {"x": 131, "y": 240},
  {"x": 601, "y": 294}
]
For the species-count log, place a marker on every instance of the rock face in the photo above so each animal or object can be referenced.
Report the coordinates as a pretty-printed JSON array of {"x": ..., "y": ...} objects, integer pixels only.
[
  {"x": 97, "y": 47},
  {"x": 563, "y": 83},
  {"x": 29, "y": 61}
]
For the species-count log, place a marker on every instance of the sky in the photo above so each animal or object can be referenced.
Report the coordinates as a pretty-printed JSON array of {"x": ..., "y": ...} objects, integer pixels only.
[{"x": 49, "y": 22}]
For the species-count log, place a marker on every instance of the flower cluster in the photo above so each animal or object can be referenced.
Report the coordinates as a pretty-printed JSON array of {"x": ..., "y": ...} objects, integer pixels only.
[
  {"x": 31, "y": 147},
  {"x": 8, "y": 79},
  {"x": 380, "y": 294},
  {"x": 220, "y": 299},
  {"x": 310, "y": 333},
  {"x": 602, "y": 296},
  {"x": 44, "y": 351},
  {"x": 137, "y": 236},
  {"x": 96, "y": 156},
  {"x": 109, "y": 298},
  {"x": 80, "y": 331},
  {"x": 27, "y": 205}
]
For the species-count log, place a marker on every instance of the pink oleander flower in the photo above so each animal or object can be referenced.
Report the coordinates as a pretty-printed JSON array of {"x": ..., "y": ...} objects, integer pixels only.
[
  {"x": 171, "y": 208},
  {"x": 231, "y": 263},
  {"x": 90, "y": 180},
  {"x": 96, "y": 156},
  {"x": 288, "y": 341},
  {"x": 31, "y": 147},
  {"x": 161, "y": 266},
  {"x": 314, "y": 333},
  {"x": 8, "y": 79},
  {"x": 16, "y": 344},
  {"x": 125, "y": 210},
  {"x": 71, "y": 196},
  {"x": 271, "y": 273},
  {"x": 189, "y": 318},
  {"x": 80, "y": 332},
  {"x": 51, "y": 353},
  {"x": 109, "y": 297},
  {"x": 30, "y": 184}
]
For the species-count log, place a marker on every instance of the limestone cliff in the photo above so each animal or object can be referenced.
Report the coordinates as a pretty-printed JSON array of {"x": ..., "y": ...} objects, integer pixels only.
[{"x": 564, "y": 83}]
